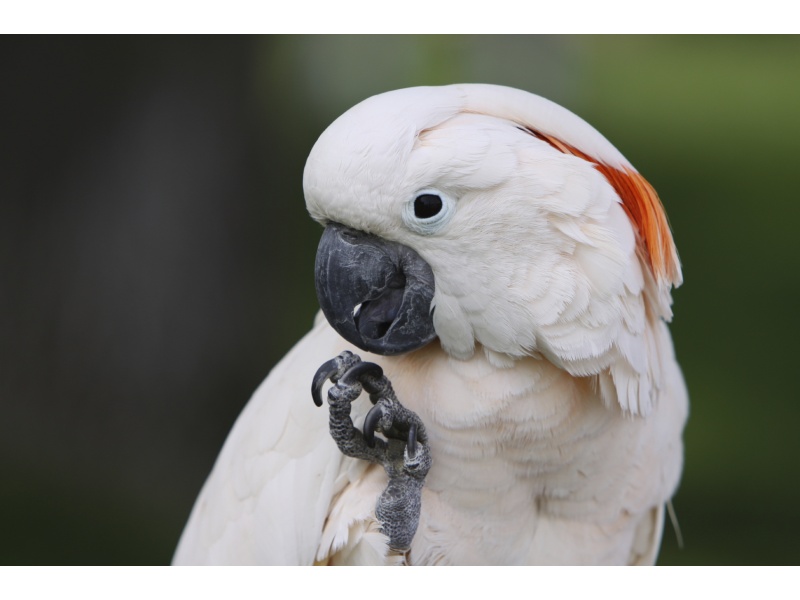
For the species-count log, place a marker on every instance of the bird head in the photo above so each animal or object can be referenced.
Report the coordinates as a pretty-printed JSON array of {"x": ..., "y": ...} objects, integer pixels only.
[{"x": 490, "y": 218}]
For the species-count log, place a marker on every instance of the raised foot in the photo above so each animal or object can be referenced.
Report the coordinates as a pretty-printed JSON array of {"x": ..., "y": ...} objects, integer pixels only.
[{"x": 404, "y": 455}]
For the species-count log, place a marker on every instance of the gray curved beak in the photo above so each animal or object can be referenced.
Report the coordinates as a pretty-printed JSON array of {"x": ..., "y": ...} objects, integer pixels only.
[{"x": 377, "y": 294}]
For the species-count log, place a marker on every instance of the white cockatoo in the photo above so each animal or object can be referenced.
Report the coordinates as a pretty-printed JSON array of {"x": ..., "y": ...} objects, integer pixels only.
[{"x": 510, "y": 272}]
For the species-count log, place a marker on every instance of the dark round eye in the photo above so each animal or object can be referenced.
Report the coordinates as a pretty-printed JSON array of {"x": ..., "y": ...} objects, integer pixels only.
[{"x": 427, "y": 206}]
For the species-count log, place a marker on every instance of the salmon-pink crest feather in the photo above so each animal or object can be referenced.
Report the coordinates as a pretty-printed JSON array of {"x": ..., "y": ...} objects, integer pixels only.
[
  {"x": 572, "y": 135},
  {"x": 643, "y": 206}
]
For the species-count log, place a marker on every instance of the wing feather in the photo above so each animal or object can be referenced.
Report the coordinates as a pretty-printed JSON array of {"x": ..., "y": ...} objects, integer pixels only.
[{"x": 269, "y": 493}]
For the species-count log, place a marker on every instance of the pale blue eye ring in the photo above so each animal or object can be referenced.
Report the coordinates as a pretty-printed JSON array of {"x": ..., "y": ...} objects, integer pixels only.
[{"x": 428, "y": 211}]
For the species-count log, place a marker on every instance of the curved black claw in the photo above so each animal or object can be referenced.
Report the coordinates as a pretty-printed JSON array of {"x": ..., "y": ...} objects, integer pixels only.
[
  {"x": 412, "y": 440},
  {"x": 371, "y": 421},
  {"x": 320, "y": 377},
  {"x": 358, "y": 371}
]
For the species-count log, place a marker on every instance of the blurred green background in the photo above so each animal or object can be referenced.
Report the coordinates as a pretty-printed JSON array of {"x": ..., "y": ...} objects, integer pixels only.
[{"x": 156, "y": 259}]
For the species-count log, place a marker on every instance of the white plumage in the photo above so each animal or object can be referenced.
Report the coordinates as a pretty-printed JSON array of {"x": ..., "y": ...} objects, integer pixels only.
[{"x": 552, "y": 398}]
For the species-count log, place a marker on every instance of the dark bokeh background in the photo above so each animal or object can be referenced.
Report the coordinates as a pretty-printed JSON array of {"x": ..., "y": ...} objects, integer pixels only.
[{"x": 156, "y": 259}]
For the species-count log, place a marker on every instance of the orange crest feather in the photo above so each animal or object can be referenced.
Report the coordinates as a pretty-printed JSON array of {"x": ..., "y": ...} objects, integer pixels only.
[{"x": 644, "y": 208}]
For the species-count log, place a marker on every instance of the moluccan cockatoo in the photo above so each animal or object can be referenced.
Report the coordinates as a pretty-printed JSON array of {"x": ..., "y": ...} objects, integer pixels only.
[{"x": 496, "y": 277}]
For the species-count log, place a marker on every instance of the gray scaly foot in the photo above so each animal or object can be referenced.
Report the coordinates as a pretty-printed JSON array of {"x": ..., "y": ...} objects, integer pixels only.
[{"x": 404, "y": 455}]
